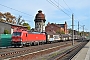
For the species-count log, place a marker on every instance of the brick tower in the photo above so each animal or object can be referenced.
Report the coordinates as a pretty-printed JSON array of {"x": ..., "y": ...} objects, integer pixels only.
[{"x": 40, "y": 21}]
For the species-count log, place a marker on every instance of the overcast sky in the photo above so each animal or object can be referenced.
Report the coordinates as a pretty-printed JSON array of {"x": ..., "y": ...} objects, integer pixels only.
[{"x": 29, "y": 8}]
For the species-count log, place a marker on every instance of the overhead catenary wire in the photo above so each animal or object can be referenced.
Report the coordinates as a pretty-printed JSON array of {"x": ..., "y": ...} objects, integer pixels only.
[
  {"x": 60, "y": 9},
  {"x": 61, "y": 5},
  {"x": 15, "y": 10},
  {"x": 67, "y": 6},
  {"x": 70, "y": 10},
  {"x": 57, "y": 2},
  {"x": 51, "y": 2}
]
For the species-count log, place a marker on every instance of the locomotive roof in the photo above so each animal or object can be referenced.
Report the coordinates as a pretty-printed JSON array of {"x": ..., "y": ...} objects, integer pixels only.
[{"x": 35, "y": 32}]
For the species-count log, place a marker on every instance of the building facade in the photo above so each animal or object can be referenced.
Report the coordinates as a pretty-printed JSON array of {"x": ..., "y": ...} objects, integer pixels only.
[
  {"x": 10, "y": 27},
  {"x": 5, "y": 26},
  {"x": 56, "y": 28}
]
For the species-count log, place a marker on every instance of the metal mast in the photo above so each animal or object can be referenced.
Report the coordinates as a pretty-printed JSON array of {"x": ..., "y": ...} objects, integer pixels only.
[
  {"x": 78, "y": 27},
  {"x": 72, "y": 29}
]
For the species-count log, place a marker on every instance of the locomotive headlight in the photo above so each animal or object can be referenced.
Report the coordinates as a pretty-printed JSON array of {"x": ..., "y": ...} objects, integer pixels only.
[{"x": 20, "y": 39}]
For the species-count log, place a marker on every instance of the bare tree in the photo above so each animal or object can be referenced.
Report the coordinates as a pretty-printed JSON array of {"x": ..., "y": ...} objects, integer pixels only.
[{"x": 20, "y": 21}]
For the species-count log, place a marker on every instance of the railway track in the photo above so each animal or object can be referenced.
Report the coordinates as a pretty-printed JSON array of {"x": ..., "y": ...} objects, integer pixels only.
[
  {"x": 14, "y": 52},
  {"x": 32, "y": 51},
  {"x": 69, "y": 54}
]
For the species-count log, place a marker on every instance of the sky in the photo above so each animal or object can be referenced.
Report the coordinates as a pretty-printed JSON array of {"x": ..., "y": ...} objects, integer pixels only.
[{"x": 56, "y": 11}]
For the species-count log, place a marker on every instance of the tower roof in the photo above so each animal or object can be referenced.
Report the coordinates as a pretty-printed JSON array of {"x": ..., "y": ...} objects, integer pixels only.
[{"x": 40, "y": 16}]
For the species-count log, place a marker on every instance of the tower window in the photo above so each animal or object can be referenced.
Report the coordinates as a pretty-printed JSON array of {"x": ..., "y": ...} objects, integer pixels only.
[{"x": 51, "y": 26}]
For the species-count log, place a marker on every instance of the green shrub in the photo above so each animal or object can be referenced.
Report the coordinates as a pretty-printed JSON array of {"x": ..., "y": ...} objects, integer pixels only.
[{"x": 6, "y": 32}]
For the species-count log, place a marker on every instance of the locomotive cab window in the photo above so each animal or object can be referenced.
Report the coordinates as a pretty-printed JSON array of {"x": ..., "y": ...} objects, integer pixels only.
[
  {"x": 26, "y": 35},
  {"x": 16, "y": 33}
]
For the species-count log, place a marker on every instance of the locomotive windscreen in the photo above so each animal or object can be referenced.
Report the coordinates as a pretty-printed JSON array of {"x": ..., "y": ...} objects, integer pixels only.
[{"x": 16, "y": 33}]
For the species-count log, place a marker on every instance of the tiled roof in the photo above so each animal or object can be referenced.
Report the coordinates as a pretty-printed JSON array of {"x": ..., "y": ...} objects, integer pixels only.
[
  {"x": 56, "y": 25},
  {"x": 61, "y": 25},
  {"x": 40, "y": 16},
  {"x": 13, "y": 24}
]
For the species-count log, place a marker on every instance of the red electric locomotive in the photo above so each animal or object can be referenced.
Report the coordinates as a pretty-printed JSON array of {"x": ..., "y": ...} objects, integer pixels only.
[{"x": 21, "y": 38}]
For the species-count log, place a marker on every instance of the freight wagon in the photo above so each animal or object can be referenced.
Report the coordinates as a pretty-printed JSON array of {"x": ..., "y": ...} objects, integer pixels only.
[
  {"x": 53, "y": 38},
  {"x": 5, "y": 40}
]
